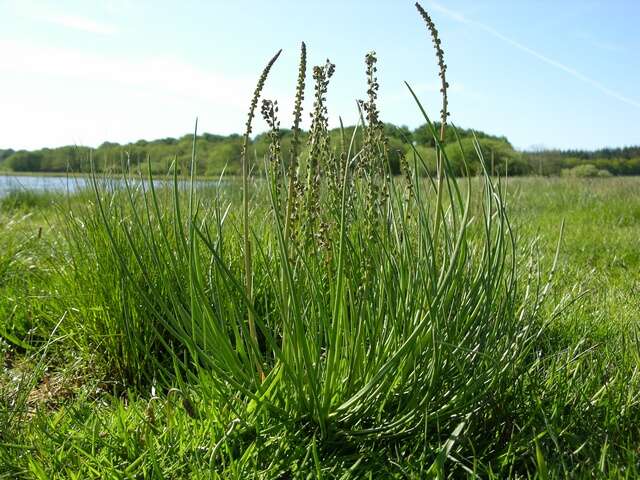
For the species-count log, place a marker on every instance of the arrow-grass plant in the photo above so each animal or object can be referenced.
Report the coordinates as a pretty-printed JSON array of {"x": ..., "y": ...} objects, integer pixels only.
[{"x": 394, "y": 315}]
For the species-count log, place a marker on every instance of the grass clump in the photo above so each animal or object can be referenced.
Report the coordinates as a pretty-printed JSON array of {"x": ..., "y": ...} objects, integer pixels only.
[
  {"x": 366, "y": 315},
  {"x": 327, "y": 320}
]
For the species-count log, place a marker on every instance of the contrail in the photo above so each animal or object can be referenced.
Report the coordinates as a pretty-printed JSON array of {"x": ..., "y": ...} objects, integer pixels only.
[{"x": 550, "y": 61}]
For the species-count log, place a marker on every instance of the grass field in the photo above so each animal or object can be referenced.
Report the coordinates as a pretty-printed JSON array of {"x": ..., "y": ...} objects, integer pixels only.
[
  {"x": 80, "y": 400},
  {"x": 325, "y": 319}
]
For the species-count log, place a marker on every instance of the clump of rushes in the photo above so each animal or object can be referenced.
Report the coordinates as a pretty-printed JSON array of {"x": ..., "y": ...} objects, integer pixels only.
[
  {"x": 245, "y": 203},
  {"x": 412, "y": 335},
  {"x": 294, "y": 185}
]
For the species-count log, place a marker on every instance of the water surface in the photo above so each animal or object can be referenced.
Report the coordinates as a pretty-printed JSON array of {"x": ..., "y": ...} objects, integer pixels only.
[
  {"x": 64, "y": 184},
  {"x": 42, "y": 183}
]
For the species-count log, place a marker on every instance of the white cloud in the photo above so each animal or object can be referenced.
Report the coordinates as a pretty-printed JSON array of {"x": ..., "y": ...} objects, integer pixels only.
[
  {"x": 56, "y": 96},
  {"x": 51, "y": 13},
  {"x": 81, "y": 23},
  {"x": 161, "y": 74}
]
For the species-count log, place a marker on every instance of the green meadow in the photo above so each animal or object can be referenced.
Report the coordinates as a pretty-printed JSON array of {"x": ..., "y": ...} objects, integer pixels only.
[
  {"x": 326, "y": 309},
  {"x": 94, "y": 384}
]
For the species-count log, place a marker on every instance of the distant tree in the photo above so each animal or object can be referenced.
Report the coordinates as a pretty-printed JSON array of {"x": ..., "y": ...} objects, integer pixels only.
[
  {"x": 497, "y": 154},
  {"x": 585, "y": 170},
  {"x": 24, "y": 161},
  {"x": 4, "y": 154}
]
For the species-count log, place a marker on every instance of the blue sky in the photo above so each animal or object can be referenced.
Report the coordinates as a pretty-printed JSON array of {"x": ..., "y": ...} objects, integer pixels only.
[{"x": 544, "y": 73}]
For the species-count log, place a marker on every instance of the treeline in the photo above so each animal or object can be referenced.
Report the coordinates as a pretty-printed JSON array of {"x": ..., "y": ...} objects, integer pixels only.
[
  {"x": 5, "y": 154},
  {"x": 606, "y": 161},
  {"x": 217, "y": 153}
]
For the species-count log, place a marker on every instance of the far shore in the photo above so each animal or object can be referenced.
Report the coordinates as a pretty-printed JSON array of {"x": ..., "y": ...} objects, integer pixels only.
[{"x": 9, "y": 173}]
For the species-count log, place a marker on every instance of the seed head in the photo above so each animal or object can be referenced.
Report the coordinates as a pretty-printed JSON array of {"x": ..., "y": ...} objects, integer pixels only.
[{"x": 437, "y": 43}]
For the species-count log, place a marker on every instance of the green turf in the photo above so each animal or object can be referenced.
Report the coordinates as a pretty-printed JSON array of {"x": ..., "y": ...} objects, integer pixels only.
[
  {"x": 70, "y": 408},
  {"x": 323, "y": 318}
]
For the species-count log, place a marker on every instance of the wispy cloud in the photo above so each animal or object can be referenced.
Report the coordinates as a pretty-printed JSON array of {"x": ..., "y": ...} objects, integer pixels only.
[
  {"x": 81, "y": 23},
  {"x": 458, "y": 17},
  {"x": 600, "y": 44},
  {"x": 163, "y": 75},
  {"x": 70, "y": 96},
  {"x": 54, "y": 14}
]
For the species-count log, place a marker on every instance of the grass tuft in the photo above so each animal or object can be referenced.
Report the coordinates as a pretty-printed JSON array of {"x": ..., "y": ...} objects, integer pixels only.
[{"x": 326, "y": 319}]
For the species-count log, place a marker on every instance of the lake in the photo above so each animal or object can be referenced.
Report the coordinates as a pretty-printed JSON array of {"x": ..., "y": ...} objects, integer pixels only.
[{"x": 61, "y": 183}]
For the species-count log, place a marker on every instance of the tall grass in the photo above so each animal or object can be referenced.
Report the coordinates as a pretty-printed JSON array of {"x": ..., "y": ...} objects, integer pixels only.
[
  {"x": 22, "y": 199},
  {"x": 328, "y": 319},
  {"x": 332, "y": 299},
  {"x": 573, "y": 412}
]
